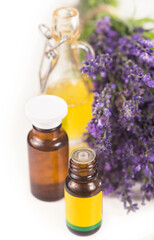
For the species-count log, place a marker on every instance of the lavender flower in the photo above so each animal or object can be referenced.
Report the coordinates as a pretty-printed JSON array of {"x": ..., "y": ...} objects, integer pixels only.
[
  {"x": 103, "y": 25},
  {"x": 99, "y": 64},
  {"x": 100, "y": 125},
  {"x": 121, "y": 129}
]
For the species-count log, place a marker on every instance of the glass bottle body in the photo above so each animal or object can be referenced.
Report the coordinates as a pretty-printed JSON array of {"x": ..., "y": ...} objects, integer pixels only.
[
  {"x": 48, "y": 162},
  {"x": 67, "y": 82}
]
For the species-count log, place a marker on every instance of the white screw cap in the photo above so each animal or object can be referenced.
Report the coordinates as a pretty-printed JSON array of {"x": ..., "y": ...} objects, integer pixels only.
[{"x": 46, "y": 111}]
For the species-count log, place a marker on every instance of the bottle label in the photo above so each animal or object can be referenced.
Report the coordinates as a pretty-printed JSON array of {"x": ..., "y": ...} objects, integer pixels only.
[{"x": 83, "y": 214}]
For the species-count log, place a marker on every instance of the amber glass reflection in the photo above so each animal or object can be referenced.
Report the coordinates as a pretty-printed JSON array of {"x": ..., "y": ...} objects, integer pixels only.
[{"x": 48, "y": 162}]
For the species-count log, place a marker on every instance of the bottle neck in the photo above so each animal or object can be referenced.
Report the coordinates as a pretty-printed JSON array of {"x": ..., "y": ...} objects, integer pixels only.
[
  {"x": 82, "y": 171},
  {"x": 47, "y": 133},
  {"x": 65, "y": 51},
  {"x": 65, "y": 22},
  {"x": 69, "y": 63}
]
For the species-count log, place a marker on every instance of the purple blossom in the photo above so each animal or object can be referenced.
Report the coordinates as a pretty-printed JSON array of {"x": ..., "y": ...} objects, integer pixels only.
[
  {"x": 150, "y": 83},
  {"x": 151, "y": 158},
  {"x": 146, "y": 77},
  {"x": 103, "y": 25},
  {"x": 121, "y": 129},
  {"x": 99, "y": 64}
]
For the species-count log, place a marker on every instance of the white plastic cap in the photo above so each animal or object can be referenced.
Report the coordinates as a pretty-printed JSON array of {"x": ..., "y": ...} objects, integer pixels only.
[{"x": 46, "y": 111}]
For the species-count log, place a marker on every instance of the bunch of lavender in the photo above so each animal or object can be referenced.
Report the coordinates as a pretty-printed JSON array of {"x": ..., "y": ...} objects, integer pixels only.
[{"x": 121, "y": 129}]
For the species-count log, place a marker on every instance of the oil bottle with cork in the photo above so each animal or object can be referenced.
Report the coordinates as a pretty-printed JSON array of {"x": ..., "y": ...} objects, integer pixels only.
[{"x": 63, "y": 77}]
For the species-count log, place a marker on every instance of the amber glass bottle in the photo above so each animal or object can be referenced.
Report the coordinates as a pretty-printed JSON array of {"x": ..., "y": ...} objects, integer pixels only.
[
  {"x": 47, "y": 147},
  {"x": 83, "y": 194}
]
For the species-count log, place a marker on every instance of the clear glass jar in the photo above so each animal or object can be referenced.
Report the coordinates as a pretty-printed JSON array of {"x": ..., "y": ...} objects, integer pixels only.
[{"x": 65, "y": 79}]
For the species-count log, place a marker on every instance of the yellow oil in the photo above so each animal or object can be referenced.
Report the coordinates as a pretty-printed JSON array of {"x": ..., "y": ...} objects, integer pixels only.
[{"x": 79, "y": 101}]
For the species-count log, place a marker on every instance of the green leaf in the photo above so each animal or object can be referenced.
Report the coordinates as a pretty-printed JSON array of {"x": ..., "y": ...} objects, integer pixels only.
[
  {"x": 85, "y": 5},
  {"x": 87, "y": 30},
  {"x": 149, "y": 35},
  {"x": 144, "y": 20},
  {"x": 121, "y": 26}
]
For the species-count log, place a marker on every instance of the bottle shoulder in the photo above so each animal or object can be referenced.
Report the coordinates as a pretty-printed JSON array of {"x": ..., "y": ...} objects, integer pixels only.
[
  {"x": 47, "y": 142},
  {"x": 86, "y": 188}
]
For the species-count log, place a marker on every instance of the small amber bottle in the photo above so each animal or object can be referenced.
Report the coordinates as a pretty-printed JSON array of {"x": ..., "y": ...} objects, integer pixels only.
[
  {"x": 47, "y": 147},
  {"x": 83, "y": 194}
]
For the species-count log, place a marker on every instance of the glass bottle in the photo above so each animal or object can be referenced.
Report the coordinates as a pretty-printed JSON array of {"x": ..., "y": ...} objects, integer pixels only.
[
  {"x": 65, "y": 79},
  {"x": 83, "y": 195},
  {"x": 47, "y": 147}
]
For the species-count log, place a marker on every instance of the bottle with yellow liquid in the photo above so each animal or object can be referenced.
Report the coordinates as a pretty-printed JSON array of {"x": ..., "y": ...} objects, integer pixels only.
[{"x": 63, "y": 77}]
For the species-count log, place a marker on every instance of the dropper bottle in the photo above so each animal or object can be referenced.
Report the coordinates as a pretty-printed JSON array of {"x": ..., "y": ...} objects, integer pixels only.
[{"x": 83, "y": 193}]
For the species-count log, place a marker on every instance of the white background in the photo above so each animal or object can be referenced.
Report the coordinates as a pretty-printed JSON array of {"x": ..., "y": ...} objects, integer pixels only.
[{"x": 22, "y": 216}]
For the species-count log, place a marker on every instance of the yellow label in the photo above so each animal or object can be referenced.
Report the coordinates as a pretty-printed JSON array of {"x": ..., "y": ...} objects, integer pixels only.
[{"x": 83, "y": 214}]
